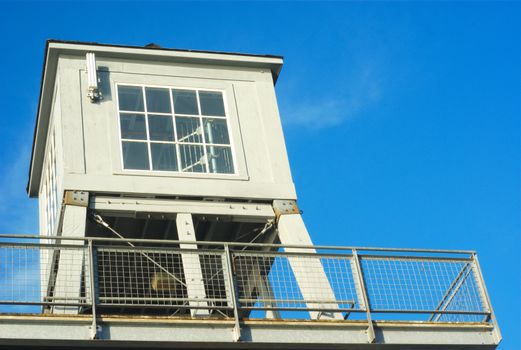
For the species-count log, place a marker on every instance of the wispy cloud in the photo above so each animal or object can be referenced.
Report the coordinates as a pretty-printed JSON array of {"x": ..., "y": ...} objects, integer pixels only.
[{"x": 359, "y": 91}]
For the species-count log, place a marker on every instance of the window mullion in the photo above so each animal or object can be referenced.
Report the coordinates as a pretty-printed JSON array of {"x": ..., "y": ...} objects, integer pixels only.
[
  {"x": 206, "y": 160},
  {"x": 177, "y": 147},
  {"x": 147, "y": 130}
]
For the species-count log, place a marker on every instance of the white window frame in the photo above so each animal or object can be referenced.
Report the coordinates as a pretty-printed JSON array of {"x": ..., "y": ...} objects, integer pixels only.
[{"x": 176, "y": 142}]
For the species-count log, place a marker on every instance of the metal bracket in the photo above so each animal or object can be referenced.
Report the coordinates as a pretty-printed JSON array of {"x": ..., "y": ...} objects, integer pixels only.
[
  {"x": 77, "y": 198},
  {"x": 94, "y": 94},
  {"x": 284, "y": 207}
]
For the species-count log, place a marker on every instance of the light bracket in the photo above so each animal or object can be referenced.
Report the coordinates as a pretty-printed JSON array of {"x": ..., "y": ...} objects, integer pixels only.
[{"x": 93, "y": 92}]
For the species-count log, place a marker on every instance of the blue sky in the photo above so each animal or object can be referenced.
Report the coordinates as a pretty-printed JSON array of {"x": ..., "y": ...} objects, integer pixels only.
[{"x": 402, "y": 120}]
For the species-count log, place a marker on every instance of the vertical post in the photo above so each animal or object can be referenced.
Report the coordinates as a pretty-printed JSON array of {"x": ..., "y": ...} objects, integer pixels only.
[
  {"x": 233, "y": 292},
  {"x": 70, "y": 260},
  {"x": 92, "y": 288},
  {"x": 191, "y": 264},
  {"x": 358, "y": 274},
  {"x": 484, "y": 293}
]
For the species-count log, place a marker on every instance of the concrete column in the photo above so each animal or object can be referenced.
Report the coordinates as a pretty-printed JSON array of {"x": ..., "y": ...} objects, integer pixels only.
[
  {"x": 71, "y": 261},
  {"x": 308, "y": 270},
  {"x": 191, "y": 264}
]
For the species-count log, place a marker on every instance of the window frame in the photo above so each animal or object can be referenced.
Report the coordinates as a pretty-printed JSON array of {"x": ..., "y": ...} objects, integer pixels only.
[{"x": 204, "y": 144}]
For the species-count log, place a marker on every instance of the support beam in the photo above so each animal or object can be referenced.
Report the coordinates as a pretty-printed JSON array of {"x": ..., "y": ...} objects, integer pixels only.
[
  {"x": 308, "y": 271},
  {"x": 248, "y": 212},
  {"x": 191, "y": 264},
  {"x": 255, "y": 281},
  {"x": 71, "y": 261}
]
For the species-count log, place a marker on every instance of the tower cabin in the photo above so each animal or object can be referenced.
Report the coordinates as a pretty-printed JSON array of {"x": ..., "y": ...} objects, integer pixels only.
[
  {"x": 160, "y": 144},
  {"x": 169, "y": 218}
]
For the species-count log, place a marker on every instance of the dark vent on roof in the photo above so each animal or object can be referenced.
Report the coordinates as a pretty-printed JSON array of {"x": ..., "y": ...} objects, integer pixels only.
[{"x": 152, "y": 46}]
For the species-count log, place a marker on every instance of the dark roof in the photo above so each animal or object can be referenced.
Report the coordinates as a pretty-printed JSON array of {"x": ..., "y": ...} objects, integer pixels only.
[{"x": 154, "y": 46}]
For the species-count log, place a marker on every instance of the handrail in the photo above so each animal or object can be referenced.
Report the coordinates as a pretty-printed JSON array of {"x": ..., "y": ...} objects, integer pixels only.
[
  {"x": 92, "y": 275},
  {"x": 242, "y": 244}
]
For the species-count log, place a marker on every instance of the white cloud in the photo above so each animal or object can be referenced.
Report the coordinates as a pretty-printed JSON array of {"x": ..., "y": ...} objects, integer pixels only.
[{"x": 361, "y": 90}]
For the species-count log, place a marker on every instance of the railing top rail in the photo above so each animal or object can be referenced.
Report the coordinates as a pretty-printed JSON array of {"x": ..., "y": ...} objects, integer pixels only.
[{"x": 241, "y": 244}]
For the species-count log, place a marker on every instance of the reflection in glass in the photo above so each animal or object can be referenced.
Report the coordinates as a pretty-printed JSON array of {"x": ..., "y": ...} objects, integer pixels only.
[
  {"x": 160, "y": 128},
  {"x": 135, "y": 155},
  {"x": 216, "y": 131},
  {"x": 192, "y": 159},
  {"x": 211, "y": 103},
  {"x": 220, "y": 159},
  {"x": 158, "y": 100},
  {"x": 133, "y": 126},
  {"x": 185, "y": 102},
  {"x": 163, "y": 156},
  {"x": 188, "y": 129},
  {"x": 130, "y": 98}
]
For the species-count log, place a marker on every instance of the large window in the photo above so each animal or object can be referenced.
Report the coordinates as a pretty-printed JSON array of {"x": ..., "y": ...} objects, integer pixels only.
[{"x": 174, "y": 129}]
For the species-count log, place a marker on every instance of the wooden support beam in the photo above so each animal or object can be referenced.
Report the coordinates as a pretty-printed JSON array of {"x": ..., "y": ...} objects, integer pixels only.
[
  {"x": 308, "y": 270},
  {"x": 191, "y": 264},
  {"x": 71, "y": 261}
]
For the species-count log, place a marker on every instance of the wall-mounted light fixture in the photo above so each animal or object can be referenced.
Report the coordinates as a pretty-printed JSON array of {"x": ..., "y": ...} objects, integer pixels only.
[{"x": 92, "y": 78}]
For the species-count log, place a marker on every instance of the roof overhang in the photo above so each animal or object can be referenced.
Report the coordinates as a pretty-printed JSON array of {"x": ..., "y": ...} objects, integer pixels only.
[{"x": 55, "y": 48}]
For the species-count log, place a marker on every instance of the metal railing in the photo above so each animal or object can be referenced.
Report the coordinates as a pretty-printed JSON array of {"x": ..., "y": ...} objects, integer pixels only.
[{"x": 102, "y": 276}]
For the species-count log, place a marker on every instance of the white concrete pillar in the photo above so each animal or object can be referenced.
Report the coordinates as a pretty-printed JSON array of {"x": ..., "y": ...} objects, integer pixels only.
[
  {"x": 308, "y": 270},
  {"x": 191, "y": 264},
  {"x": 71, "y": 261}
]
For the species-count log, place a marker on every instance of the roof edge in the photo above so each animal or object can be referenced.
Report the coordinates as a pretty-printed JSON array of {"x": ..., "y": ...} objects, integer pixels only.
[{"x": 92, "y": 43}]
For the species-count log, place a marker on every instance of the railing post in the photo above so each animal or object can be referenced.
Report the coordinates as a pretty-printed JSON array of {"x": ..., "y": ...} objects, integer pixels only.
[
  {"x": 233, "y": 293},
  {"x": 484, "y": 294},
  {"x": 358, "y": 275},
  {"x": 92, "y": 260}
]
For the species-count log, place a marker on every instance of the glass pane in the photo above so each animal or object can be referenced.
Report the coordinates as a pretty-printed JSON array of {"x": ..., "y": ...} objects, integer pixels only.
[
  {"x": 185, "y": 102},
  {"x": 216, "y": 131},
  {"x": 160, "y": 128},
  {"x": 158, "y": 100},
  {"x": 133, "y": 126},
  {"x": 220, "y": 159},
  {"x": 188, "y": 129},
  {"x": 131, "y": 98},
  {"x": 135, "y": 155},
  {"x": 192, "y": 159},
  {"x": 211, "y": 103},
  {"x": 163, "y": 156}
]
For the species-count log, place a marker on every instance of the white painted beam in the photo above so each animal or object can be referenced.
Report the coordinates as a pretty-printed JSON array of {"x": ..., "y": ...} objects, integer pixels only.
[
  {"x": 71, "y": 262},
  {"x": 308, "y": 270},
  {"x": 191, "y": 264},
  {"x": 257, "y": 211}
]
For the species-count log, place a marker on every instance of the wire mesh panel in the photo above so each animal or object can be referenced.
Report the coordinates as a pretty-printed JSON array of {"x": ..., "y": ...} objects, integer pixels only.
[
  {"x": 54, "y": 278},
  {"x": 268, "y": 281},
  {"x": 339, "y": 271},
  {"x": 43, "y": 278},
  {"x": 158, "y": 277},
  {"x": 423, "y": 285}
]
